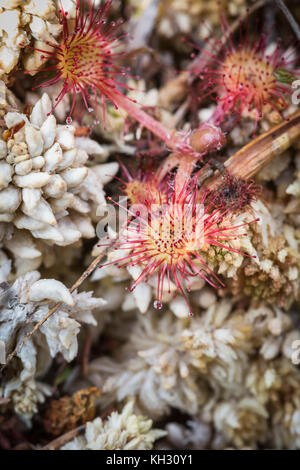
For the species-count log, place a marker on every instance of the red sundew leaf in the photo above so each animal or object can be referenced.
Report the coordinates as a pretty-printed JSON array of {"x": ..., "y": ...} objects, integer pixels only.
[
  {"x": 85, "y": 60},
  {"x": 242, "y": 76},
  {"x": 168, "y": 242}
]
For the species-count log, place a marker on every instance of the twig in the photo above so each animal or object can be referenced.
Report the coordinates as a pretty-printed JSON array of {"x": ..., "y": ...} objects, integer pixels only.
[
  {"x": 86, "y": 351},
  {"x": 178, "y": 116},
  {"x": 4, "y": 401},
  {"x": 142, "y": 29},
  {"x": 4, "y": 442},
  {"x": 68, "y": 436},
  {"x": 64, "y": 439},
  {"x": 253, "y": 157},
  {"x": 293, "y": 23}
]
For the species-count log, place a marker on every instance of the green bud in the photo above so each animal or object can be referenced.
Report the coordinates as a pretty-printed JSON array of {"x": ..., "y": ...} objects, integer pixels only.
[{"x": 284, "y": 76}]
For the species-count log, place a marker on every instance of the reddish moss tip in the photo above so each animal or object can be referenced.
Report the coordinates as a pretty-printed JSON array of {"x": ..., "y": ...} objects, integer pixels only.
[{"x": 234, "y": 194}]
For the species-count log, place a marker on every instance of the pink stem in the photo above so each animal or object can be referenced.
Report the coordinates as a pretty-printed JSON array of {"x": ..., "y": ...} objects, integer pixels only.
[
  {"x": 167, "y": 165},
  {"x": 156, "y": 127},
  {"x": 217, "y": 116},
  {"x": 184, "y": 172}
]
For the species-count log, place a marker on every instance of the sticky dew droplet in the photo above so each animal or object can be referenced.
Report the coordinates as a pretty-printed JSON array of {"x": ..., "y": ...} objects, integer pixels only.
[{"x": 157, "y": 305}]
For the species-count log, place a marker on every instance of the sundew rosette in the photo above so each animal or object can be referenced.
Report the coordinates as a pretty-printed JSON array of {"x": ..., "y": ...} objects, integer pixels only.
[
  {"x": 247, "y": 75},
  {"x": 85, "y": 58},
  {"x": 166, "y": 240}
]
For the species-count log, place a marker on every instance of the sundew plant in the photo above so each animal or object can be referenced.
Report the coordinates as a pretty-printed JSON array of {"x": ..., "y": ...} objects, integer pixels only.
[{"x": 149, "y": 225}]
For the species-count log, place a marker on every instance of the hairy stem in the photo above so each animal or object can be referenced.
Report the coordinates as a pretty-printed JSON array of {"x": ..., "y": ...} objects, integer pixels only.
[
  {"x": 183, "y": 173},
  {"x": 157, "y": 128}
]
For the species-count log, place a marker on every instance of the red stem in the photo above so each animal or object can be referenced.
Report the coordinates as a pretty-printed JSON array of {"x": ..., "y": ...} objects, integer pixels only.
[
  {"x": 167, "y": 135},
  {"x": 184, "y": 172}
]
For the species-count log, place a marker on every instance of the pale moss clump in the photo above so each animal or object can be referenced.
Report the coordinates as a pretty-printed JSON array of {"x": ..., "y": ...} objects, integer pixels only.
[
  {"x": 267, "y": 267},
  {"x": 121, "y": 431},
  {"x": 25, "y": 26}
]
